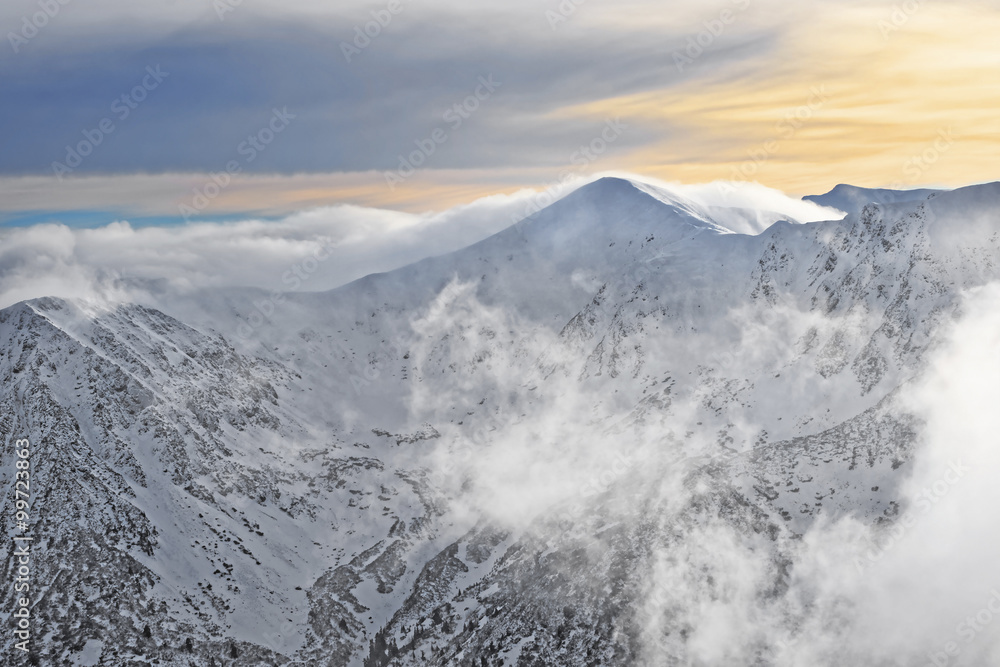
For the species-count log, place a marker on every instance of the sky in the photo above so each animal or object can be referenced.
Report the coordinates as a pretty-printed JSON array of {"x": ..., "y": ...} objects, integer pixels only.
[{"x": 228, "y": 110}]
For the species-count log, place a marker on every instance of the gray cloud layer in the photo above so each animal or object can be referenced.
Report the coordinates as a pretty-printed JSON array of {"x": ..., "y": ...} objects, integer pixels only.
[{"x": 224, "y": 78}]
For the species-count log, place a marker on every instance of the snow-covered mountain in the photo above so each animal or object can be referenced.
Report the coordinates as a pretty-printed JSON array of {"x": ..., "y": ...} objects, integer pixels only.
[
  {"x": 851, "y": 199},
  {"x": 607, "y": 435}
]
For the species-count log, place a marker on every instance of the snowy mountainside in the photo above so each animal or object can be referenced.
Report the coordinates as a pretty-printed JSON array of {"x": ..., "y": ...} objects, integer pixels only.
[
  {"x": 851, "y": 199},
  {"x": 526, "y": 452}
]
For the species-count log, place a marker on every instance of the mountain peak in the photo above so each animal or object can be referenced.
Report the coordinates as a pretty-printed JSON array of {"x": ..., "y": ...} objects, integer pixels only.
[
  {"x": 609, "y": 182},
  {"x": 621, "y": 201},
  {"x": 609, "y": 189}
]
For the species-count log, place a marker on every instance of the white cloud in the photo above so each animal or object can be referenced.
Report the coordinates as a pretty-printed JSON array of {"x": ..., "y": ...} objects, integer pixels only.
[
  {"x": 55, "y": 260},
  {"x": 752, "y": 198},
  {"x": 925, "y": 586}
]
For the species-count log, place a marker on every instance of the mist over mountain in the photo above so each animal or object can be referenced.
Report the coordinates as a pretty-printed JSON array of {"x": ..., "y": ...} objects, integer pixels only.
[{"x": 647, "y": 425}]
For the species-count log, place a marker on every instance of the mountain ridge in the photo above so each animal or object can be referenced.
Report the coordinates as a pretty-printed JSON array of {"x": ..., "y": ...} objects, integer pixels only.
[{"x": 494, "y": 454}]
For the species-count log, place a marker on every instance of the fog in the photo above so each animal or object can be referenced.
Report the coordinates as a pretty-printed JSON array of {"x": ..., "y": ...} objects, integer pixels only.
[{"x": 556, "y": 452}]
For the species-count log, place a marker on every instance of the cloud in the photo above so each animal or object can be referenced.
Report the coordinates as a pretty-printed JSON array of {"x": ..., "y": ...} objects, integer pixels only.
[
  {"x": 747, "y": 207},
  {"x": 223, "y": 80},
  {"x": 106, "y": 262},
  {"x": 932, "y": 582}
]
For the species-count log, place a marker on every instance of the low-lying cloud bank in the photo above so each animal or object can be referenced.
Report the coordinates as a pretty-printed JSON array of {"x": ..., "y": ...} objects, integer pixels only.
[{"x": 313, "y": 250}]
